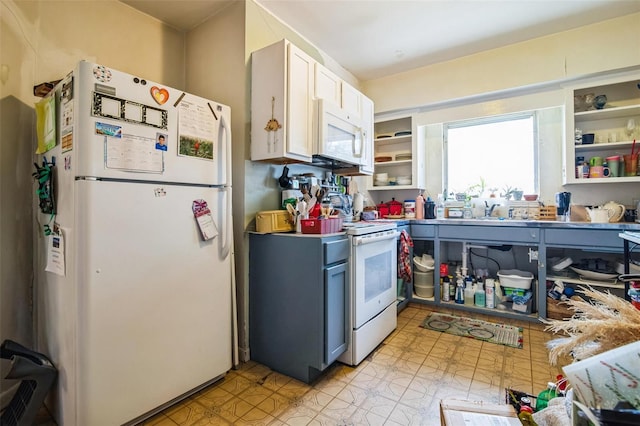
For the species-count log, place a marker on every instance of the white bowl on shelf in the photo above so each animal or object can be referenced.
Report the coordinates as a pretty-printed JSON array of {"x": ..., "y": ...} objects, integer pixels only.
[{"x": 403, "y": 180}]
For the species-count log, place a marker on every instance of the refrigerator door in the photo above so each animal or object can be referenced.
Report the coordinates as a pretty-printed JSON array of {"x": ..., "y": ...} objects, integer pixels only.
[
  {"x": 154, "y": 299},
  {"x": 122, "y": 126}
]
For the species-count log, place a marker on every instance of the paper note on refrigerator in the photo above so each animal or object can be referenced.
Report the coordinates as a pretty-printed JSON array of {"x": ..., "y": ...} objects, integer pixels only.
[
  {"x": 46, "y": 124},
  {"x": 133, "y": 153},
  {"x": 207, "y": 225},
  {"x": 55, "y": 254}
]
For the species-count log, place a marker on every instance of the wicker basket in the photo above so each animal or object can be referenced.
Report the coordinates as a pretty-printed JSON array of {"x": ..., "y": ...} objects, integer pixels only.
[{"x": 559, "y": 310}]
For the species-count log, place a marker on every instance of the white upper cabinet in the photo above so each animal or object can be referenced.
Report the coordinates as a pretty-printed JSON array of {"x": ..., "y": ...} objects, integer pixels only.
[
  {"x": 352, "y": 100},
  {"x": 282, "y": 104},
  {"x": 614, "y": 126},
  {"x": 327, "y": 85},
  {"x": 286, "y": 82}
]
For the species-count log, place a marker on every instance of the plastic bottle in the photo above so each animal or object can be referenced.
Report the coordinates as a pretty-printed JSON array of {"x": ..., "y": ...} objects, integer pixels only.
[
  {"x": 440, "y": 207},
  {"x": 452, "y": 288},
  {"x": 469, "y": 293},
  {"x": 420, "y": 206},
  {"x": 445, "y": 289},
  {"x": 480, "y": 296},
  {"x": 460, "y": 291},
  {"x": 545, "y": 396},
  {"x": 489, "y": 285}
]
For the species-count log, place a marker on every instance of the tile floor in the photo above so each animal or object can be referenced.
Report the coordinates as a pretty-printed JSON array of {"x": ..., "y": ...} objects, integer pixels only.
[{"x": 400, "y": 383}]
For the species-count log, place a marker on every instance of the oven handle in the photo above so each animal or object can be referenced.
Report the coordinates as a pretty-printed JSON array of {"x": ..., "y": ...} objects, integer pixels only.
[{"x": 362, "y": 240}]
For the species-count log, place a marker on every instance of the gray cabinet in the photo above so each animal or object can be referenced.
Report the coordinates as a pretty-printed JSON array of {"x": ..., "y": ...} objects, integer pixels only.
[
  {"x": 298, "y": 302},
  {"x": 540, "y": 240}
]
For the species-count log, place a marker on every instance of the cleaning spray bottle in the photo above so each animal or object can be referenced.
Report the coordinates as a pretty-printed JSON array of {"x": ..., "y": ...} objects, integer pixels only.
[{"x": 545, "y": 396}]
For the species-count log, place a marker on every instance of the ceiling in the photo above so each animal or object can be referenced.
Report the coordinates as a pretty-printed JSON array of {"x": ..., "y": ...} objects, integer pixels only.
[{"x": 376, "y": 38}]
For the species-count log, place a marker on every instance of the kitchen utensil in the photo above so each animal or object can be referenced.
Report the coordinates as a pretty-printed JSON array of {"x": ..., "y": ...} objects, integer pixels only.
[
  {"x": 599, "y": 215},
  {"x": 594, "y": 275},
  {"x": 383, "y": 159},
  {"x": 284, "y": 180},
  {"x": 383, "y": 210},
  {"x": 563, "y": 201},
  {"x": 395, "y": 207},
  {"x": 630, "y": 128},
  {"x": 616, "y": 211},
  {"x": 429, "y": 209},
  {"x": 614, "y": 165},
  {"x": 562, "y": 264},
  {"x": 595, "y": 161},
  {"x": 600, "y": 101},
  {"x": 630, "y": 164},
  {"x": 599, "y": 172},
  {"x": 588, "y": 138}
]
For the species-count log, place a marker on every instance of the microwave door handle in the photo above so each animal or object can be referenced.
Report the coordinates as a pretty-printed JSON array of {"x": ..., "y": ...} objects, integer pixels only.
[{"x": 353, "y": 143}]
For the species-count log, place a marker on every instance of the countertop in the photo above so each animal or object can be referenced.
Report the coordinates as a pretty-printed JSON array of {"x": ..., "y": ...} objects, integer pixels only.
[
  {"x": 630, "y": 226},
  {"x": 622, "y": 226}
]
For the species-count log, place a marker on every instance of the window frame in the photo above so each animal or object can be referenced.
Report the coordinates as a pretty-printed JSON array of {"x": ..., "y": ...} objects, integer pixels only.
[{"x": 489, "y": 120}]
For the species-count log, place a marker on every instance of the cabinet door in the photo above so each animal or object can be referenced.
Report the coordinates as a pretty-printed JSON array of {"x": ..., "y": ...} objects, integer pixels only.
[
  {"x": 336, "y": 286},
  {"x": 327, "y": 85},
  {"x": 300, "y": 107},
  {"x": 367, "y": 132},
  {"x": 351, "y": 99}
]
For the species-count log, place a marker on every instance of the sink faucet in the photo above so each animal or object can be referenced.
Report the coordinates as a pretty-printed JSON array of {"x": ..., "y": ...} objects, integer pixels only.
[{"x": 488, "y": 210}]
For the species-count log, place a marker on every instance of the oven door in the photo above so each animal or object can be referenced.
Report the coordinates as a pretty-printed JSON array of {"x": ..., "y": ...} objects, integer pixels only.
[{"x": 374, "y": 277}]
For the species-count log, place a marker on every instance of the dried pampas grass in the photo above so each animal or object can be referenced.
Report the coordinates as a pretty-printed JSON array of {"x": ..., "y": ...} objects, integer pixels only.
[{"x": 601, "y": 324}]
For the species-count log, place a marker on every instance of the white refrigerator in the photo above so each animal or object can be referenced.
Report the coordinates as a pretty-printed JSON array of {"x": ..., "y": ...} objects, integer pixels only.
[{"x": 135, "y": 288}]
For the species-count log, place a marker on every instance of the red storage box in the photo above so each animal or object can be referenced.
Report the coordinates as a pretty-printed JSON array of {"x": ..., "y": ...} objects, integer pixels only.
[{"x": 321, "y": 226}]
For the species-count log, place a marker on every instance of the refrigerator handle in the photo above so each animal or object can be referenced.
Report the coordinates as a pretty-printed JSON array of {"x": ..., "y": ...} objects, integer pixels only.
[
  {"x": 227, "y": 148},
  {"x": 227, "y": 230}
]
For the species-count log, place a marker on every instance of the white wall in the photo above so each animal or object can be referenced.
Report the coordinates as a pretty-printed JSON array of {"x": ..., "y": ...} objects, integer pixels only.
[{"x": 523, "y": 76}]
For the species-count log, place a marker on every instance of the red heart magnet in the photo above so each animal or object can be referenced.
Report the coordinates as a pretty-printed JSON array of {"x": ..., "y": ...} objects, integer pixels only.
[{"x": 159, "y": 95}]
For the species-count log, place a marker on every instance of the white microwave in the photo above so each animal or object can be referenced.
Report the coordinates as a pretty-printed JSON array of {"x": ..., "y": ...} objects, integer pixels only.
[{"x": 339, "y": 134}]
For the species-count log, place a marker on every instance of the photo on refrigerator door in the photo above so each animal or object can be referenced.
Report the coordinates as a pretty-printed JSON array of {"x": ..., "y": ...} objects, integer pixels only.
[
  {"x": 195, "y": 147},
  {"x": 197, "y": 124}
]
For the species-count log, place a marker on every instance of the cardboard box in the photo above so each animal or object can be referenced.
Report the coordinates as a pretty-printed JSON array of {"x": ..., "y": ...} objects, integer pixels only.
[{"x": 456, "y": 412}]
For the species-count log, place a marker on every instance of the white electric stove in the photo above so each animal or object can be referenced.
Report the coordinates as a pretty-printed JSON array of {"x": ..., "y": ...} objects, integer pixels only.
[{"x": 373, "y": 271}]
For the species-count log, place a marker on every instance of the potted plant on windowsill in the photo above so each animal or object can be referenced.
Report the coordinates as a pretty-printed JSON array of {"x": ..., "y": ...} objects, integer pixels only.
[{"x": 514, "y": 192}]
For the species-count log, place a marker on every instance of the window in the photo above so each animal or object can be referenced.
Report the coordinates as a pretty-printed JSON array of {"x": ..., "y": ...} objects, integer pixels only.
[{"x": 491, "y": 155}]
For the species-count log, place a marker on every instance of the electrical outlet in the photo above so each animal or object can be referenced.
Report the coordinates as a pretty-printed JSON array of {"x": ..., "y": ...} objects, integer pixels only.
[{"x": 533, "y": 255}]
